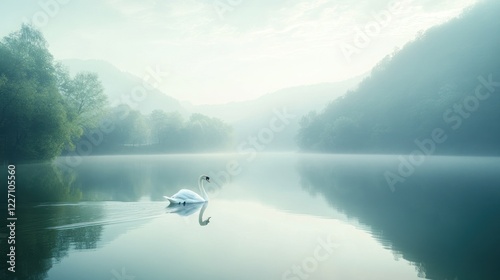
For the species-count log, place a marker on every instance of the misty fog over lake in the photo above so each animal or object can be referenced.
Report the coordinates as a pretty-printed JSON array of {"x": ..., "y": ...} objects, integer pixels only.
[{"x": 250, "y": 140}]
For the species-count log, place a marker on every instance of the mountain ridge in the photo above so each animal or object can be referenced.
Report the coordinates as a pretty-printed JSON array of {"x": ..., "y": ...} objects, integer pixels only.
[{"x": 429, "y": 85}]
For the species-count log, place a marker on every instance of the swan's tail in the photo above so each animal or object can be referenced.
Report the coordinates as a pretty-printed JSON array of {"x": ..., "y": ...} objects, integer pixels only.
[{"x": 171, "y": 200}]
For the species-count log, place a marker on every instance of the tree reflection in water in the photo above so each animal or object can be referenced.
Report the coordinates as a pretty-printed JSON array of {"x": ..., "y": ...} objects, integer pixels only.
[{"x": 444, "y": 218}]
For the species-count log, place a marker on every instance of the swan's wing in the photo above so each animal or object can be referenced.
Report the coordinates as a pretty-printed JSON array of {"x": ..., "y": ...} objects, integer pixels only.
[{"x": 187, "y": 195}]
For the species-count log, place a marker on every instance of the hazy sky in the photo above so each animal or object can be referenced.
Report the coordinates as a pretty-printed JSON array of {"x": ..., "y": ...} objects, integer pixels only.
[{"x": 217, "y": 51}]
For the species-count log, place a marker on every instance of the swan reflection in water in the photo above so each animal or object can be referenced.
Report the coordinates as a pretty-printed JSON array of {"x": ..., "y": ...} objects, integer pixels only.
[
  {"x": 189, "y": 209},
  {"x": 186, "y": 202}
]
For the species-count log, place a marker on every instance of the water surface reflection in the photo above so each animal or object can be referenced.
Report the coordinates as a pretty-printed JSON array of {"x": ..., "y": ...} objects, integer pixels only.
[
  {"x": 272, "y": 221},
  {"x": 444, "y": 218}
]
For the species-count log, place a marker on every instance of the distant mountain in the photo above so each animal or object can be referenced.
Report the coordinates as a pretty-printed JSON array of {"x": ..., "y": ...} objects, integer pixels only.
[
  {"x": 249, "y": 118},
  {"x": 438, "y": 94},
  {"x": 299, "y": 100},
  {"x": 122, "y": 87}
]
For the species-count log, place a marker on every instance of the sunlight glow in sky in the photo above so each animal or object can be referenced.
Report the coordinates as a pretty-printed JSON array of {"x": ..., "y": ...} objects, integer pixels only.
[{"x": 231, "y": 50}]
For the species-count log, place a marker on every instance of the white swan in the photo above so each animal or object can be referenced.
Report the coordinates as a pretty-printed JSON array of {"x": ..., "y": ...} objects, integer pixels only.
[{"x": 188, "y": 196}]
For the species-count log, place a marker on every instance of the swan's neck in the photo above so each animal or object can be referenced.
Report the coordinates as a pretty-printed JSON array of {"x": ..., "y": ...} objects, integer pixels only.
[{"x": 202, "y": 189}]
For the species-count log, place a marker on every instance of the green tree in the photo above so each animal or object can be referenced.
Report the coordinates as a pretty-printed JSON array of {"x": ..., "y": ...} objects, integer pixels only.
[
  {"x": 84, "y": 96},
  {"x": 130, "y": 128},
  {"x": 84, "y": 100},
  {"x": 33, "y": 118},
  {"x": 166, "y": 129},
  {"x": 205, "y": 133}
]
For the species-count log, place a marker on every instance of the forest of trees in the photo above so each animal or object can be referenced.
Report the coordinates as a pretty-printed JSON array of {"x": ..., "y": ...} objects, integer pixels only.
[
  {"x": 46, "y": 112},
  {"x": 447, "y": 79},
  {"x": 159, "y": 132}
]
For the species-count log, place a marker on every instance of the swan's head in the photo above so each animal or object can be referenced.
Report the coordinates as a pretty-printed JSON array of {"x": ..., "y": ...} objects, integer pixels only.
[{"x": 204, "y": 177}]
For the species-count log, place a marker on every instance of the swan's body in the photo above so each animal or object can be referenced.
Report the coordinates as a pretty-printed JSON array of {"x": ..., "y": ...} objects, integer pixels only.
[{"x": 185, "y": 196}]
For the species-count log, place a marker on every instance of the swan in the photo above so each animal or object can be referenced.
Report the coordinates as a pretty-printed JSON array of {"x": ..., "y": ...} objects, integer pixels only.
[{"x": 188, "y": 196}]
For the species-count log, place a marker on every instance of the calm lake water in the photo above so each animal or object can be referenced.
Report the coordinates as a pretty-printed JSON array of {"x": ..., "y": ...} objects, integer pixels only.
[{"x": 275, "y": 216}]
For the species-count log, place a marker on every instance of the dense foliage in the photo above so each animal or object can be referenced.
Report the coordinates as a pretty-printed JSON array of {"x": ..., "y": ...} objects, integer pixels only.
[
  {"x": 44, "y": 111},
  {"x": 447, "y": 79},
  {"x": 34, "y": 121}
]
